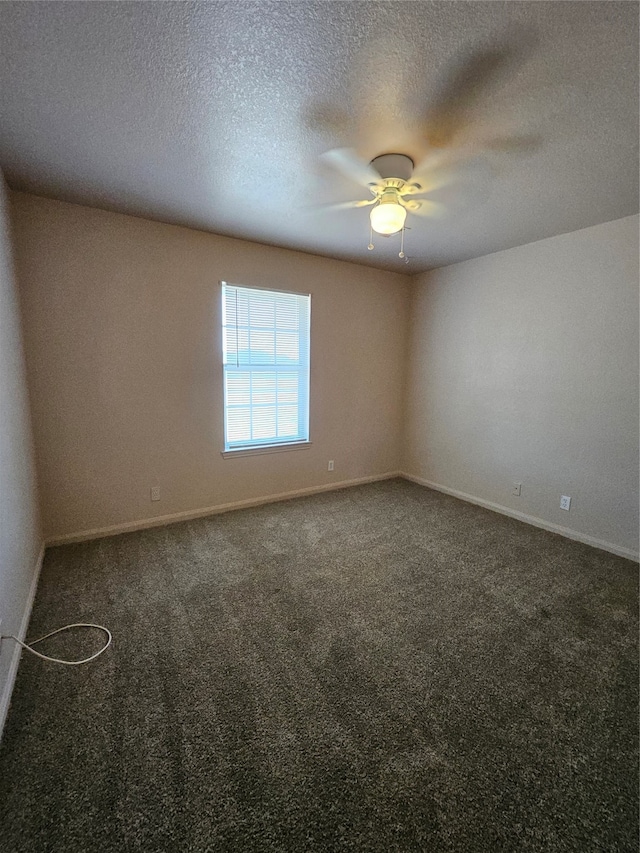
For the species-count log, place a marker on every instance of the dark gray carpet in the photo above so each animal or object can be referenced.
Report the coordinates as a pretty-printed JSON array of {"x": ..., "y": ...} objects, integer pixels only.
[{"x": 382, "y": 668}]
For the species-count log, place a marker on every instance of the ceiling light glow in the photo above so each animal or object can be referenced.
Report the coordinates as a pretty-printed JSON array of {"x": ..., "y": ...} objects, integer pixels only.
[{"x": 388, "y": 217}]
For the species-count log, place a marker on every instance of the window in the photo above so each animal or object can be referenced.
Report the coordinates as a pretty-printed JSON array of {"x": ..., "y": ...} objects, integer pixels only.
[{"x": 266, "y": 367}]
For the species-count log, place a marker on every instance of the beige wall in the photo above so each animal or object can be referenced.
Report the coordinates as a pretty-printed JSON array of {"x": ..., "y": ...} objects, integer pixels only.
[
  {"x": 524, "y": 368},
  {"x": 122, "y": 325},
  {"x": 20, "y": 539}
]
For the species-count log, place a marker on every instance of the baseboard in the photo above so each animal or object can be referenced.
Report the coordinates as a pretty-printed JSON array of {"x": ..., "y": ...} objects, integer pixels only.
[
  {"x": 161, "y": 520},
  {"x": 188, "y": 515},
  {"x": 17, "y": 650},
  {"x": 567, "y": 532}
]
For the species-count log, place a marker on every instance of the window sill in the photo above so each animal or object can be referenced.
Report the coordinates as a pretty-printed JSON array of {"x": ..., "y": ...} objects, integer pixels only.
[{"x": 258, "y": 451}]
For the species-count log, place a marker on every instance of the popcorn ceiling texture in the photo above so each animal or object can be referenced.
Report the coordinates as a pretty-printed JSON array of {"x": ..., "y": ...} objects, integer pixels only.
[
  {"x": 382, "y": 668},
  {"x": 214, "y": 115}
]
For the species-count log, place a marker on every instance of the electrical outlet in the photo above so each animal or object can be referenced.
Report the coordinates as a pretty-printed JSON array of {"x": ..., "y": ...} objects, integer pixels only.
[
  {"x": 330, "y": 466},
  {"x": 155, "y": 493},
  {"x": 516, "y": 489},
  {"x": 565, "y": 502}
]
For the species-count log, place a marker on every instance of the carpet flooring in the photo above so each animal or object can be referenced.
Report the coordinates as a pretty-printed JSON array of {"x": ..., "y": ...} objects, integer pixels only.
[{"x": 382, "y": 668}]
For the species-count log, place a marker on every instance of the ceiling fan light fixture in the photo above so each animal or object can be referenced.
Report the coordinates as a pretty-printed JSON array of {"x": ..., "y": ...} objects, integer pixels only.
[{"x": 388, "y": 217}]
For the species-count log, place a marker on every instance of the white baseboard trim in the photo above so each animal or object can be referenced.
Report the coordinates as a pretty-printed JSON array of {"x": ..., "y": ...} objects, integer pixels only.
[
  {"x": 17, "y": 650},
  {"x": 567, "y": 532},
  {"x": 188, "y": 515}
]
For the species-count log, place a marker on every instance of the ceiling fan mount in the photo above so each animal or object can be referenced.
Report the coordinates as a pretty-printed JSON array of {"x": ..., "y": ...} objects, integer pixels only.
[{"x": 393, "y": 166}]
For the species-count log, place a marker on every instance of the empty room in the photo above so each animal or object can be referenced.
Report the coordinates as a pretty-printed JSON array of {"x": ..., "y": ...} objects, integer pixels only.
[{"x": 319, "y": 427}]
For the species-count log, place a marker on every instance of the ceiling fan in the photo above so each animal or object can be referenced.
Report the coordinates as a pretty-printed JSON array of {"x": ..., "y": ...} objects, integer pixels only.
[
  {"x": 393, "y": 182},
  {"x": 457, "y": 148}
]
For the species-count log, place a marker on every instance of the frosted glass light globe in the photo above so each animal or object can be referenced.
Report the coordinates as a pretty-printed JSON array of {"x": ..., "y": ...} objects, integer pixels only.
[{"x": 388, "y": 217}]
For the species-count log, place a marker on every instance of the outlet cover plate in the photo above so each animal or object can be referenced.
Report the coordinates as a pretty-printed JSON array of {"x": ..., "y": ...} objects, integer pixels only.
[{"x": 565, "y": 502}]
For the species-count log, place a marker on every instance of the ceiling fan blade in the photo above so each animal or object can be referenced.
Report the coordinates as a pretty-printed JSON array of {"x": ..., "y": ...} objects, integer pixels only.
[
  {"x": 524, "y": 144},
  {"x": 346, "y": 161},
  {"x": 465, "y": 174},
  {"x": 426, "y": 207},
  {"x": 330, "y": 119},
  {"x": 343, "y": 205},
  {"x": 470, "y": 79},
  {"x": 429, "y": 180}
]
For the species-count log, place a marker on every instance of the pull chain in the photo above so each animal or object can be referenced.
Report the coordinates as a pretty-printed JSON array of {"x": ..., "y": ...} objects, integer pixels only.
[
  {"x": 401, "y": 253},
  {"x": 370, "y": 246}
]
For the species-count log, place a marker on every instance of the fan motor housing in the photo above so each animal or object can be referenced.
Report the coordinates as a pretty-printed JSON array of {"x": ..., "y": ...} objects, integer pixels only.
[{"x": 393, "y": 166}]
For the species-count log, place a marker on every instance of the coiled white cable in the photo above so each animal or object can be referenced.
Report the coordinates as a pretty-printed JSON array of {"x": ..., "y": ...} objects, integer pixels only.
[{"x": 57, "y": 631}]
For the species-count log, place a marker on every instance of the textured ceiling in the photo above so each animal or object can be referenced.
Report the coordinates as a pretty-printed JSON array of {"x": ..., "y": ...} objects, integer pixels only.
[{"x": 214, "y": 115}]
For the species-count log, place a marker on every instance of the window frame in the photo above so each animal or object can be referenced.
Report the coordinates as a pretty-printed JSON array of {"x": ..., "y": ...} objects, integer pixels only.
[{"x": 270, "y": 446}]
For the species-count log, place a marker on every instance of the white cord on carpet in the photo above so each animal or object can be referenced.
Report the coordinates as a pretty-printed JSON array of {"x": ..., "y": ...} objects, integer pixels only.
[{"x": 57, "y": 631}]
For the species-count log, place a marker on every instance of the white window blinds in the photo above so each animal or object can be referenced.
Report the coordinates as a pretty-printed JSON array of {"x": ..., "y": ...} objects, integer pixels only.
[{"x": 266, "y": 367}]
